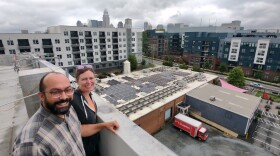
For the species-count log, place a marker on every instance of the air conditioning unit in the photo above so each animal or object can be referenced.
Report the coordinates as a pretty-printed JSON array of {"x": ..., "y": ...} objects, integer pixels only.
[{"x": 212, "y": 98}]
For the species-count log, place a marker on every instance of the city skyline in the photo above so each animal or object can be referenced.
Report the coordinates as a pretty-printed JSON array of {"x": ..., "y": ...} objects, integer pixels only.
[{"x": 38, "y": 15}]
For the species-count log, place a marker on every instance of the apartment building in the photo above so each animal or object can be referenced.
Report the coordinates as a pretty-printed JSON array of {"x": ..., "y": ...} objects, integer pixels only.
[
  {"x": 258, "y": 55},
  {"x": 67, "y": 46},
  {"x": 202, "y": 47}
]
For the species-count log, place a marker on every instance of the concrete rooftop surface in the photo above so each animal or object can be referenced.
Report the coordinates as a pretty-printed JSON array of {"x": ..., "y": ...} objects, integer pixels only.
[{"x": 13, "y": 113}]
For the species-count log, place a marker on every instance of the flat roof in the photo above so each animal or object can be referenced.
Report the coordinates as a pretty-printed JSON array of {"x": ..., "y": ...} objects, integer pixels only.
[
  {"x": 138, "y": 93},
  {"x": 236, "y": 102}
]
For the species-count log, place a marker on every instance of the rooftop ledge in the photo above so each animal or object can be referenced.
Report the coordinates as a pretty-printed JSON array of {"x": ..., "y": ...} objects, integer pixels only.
[{"x": 129, "y": 139}]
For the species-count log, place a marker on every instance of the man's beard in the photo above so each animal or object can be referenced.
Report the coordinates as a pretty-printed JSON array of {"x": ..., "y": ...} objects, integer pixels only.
[{"x": 58, "y": 111}]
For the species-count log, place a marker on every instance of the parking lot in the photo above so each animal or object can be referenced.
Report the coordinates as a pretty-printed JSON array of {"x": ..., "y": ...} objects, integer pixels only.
[
  {"x": 217, "y": 144},
  {"x": 267, "y": 133}
]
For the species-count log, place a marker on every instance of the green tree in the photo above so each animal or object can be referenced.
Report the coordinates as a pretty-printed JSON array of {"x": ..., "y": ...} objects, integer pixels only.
[
  {"x": 167, "y": 63},
  {"x": 223, "y": 67},
  {"x": 145, "y": 47},
  {"x": 183, "y": 66},
  {"x": 143, "y": 63},
  {"x": 207, "y": 65},
  {"x": 236, "y": 77},
  {"x": 197, "y": 69},
  {"x": 133, "y": 62}
]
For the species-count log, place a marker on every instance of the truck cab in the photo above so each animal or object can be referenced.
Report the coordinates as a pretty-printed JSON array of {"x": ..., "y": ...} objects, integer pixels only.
[{"x": 202, "y": 135}]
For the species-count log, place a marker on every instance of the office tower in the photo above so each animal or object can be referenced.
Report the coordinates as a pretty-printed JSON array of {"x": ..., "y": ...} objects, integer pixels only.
[
  {"x": 120, "y": 24},
  {"x": 128, "y": 23},
  {"x": 146, "y": 25},
  {"x": 106, "y": 19}
]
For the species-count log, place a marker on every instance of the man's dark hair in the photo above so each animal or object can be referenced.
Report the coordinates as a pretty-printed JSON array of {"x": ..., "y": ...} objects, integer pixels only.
[{"x": 41, "y": 83}]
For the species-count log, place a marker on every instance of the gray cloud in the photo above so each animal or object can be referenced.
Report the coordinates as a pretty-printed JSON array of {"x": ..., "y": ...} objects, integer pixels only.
[{"x": 37, "y": 15}]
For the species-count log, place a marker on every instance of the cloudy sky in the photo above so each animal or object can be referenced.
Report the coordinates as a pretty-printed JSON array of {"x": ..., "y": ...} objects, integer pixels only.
[{"x": 37, "y": 15}]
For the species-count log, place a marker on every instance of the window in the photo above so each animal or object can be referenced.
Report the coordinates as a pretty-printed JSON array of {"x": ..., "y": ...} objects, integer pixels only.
[
  {"x": 82, "y": 47},
  {"x": 262, "y": 45},
  {"x": 81, "y": 33},
  {"x": 108, "y": 40},
  {"x": 120, "y": 57},
  {"x": 226, "y": 49},
  {"x": 232, "y": 57},
  {"x": 83, "y": 54},
  {"x": 124, "y": 45},
  {"x": 120, "y": 34},
  {"x": 234, "y": 51},
  {"x": 83, "y": 61},
  {"x": 261, "y": 52},
  {"x": 94, "y": 40},
  {"x": 81, "y": 40},
  {"x": 109, "y": 58},
  {"x": 124, "y": 56},
  {"x": 123, "y": 34},
  {"x": 59, "y": 56},
  {"x": 123, "y": 39},
  {"x": 69, "y": 56},
  {"x": 133, "y": 34},
  {"x": 259, "y": 60},
  {"x": 58, "y": 49},
  {"x": 96, "y": 59},
  {"x": 37, "y": 49},
  {"x": 213, "y": 48},
  {"x": 60, "y": 63},
  {"x": 133, "y": 39},
  {"x": 67, "y": 48},
  {"x": 252, "y": 50},
  {"x": 108, "y": 33},
  {"x": 124, "y": 51},
  {"x": 66, "y": 40},
  {"x": 235, "y": 44},
  {"x": 268, "y": 67},
  {"x": 65, "y": 33},
  {"x": 271, "y": 52},
  {"x": 133, "y": 45},
  {"x": 243, "y": 51},
  {"x": 95, "y": 47},
  {"x": 269, "y": 60},
  {"x": 120, "y": 45},
  {"x": 120, "y": 39},
  {"x": 109, "y": 46},
  {"x": 94, "y": 33},
  {"x": 10, "y": 42},
  {"x": 69, "y": 62},
  {"x": 109, "y": 52},
  {"x": 57, "y": 41},
  {"x": 35, "y": 42},
  {"x": 120, "y": 51},
  {"x": 13, "y": 51}
]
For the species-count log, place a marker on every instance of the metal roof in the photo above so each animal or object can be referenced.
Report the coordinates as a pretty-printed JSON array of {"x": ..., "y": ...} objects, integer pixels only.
[{"x": 238, "y": 103}]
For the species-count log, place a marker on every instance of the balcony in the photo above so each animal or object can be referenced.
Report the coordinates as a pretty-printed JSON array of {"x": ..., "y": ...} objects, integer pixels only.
[
  {"x": 101, "y": 34},
  {"x": 88, "y": 35},
  {"x": 90, "y": 60},
  {"x": 114, "y": 34},
  {"x": 74, "y": 35}
]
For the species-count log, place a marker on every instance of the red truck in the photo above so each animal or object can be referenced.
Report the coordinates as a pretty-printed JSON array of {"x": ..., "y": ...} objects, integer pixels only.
[{"x": 190, "y": 125}]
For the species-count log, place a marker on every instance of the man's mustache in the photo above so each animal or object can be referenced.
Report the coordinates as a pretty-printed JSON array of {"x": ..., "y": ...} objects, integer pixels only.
[{"x": 62, "y": 101}]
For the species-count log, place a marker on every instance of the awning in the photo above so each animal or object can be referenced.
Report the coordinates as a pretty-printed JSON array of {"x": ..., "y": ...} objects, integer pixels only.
[{"x": 231, "y": 87}]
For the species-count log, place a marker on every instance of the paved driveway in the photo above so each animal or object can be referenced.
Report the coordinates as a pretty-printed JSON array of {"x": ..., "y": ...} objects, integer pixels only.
[{"x": 217, "y": 144}]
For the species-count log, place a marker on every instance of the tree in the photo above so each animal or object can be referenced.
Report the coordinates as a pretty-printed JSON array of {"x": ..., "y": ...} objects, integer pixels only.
[
  {"x": 196, "y": 68},
  {"x": 236, "y": 77},
  {"x": 167, "y": 63},
  {"x": 183, "y": 66},
  {"x": 145, "y": 44},
  {"x": 143, "y": 63},
  {"x": 133, "y": 62},
  {"x": 207, "y": 65},
  {"x": 223, "y": 67}
]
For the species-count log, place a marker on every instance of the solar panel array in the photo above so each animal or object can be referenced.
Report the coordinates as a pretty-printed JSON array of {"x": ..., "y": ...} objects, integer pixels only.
[
  {"x": 120, "y": 92},
  {"x": 113, "y": 82},
  {"x": 157, "y": 79},
  {"x": 147, "y": 88},
  {"x": 139, "y": 104}
]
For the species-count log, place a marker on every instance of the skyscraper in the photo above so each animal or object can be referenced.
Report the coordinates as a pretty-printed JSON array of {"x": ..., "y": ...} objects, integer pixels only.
[
  {"x": 146, "y": 25},
  {"x": 106, "y": 19},
  {"x": 120, "y": 24},
  {"x": 128, "y": 23}
]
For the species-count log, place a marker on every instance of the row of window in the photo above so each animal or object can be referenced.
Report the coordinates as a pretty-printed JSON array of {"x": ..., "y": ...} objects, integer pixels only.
[{"x": 66, "y": 33}]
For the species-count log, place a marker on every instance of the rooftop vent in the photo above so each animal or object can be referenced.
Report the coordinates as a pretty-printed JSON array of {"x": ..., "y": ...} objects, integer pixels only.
[{"x": 212, "y": 98}]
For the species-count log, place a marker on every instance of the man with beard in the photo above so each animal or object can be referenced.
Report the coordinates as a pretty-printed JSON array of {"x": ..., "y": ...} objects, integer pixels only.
[{"x": 54, "y": 129}]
